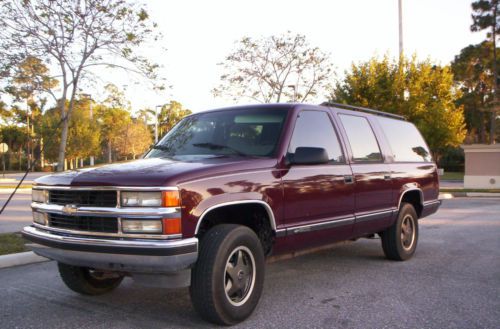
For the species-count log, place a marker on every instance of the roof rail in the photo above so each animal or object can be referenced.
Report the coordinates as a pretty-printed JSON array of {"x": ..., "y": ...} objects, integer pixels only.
[{"x": 363, "y": 109}]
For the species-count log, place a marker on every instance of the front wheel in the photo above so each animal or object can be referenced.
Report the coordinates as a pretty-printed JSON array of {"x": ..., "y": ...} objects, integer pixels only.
[
  {"x": 399, "y": 241},
  {"x": 228, "y": 278},
  {"x": 86, "y": 281}
]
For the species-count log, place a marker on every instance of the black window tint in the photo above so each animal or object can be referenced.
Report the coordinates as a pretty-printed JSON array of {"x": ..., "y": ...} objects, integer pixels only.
[
  {"x": 405, "y": 141},
  {"x": 314, "y": 129},
  {"x": 362, "y": 139}
]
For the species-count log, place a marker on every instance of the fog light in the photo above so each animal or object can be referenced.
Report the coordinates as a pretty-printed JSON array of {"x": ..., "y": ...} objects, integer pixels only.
[
  {"x": 39, "y": 196},
  {"x": 146, "y": 226},
  {"x": 39, "y": 218}
]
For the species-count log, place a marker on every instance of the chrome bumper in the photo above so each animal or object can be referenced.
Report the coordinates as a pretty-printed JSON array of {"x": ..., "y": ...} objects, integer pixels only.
[{"x": 140, "y": 256}]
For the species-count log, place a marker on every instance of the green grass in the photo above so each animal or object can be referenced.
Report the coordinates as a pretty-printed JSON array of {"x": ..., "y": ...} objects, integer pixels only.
[
  {"x": 11, "y": 243},
  {"x": 452, "y": 176}
]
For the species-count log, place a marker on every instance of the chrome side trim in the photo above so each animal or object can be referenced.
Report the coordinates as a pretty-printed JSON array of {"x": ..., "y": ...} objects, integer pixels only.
[
  {"x": 110, "y": 235},
  {"x": 431, "y": 202},
  {"x": 321, "y": 226},
  {"x": 110, "y": 211},
  {"x": 373, "y": 215},
  {"x": 232, "y": 203},
  {"x": 409, "y": 190},
  {"x": 106, "y": 188}
]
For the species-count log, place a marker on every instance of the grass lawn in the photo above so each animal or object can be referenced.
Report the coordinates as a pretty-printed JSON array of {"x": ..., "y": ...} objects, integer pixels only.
[
  {"x": 452, "y": 176},
  {"x": 11, "y": 243}
]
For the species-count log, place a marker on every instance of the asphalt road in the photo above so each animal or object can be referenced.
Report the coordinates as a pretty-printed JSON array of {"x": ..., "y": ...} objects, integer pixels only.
[
  {"x": 17, "y": 214},
  {"x": 453, "y": 281}
]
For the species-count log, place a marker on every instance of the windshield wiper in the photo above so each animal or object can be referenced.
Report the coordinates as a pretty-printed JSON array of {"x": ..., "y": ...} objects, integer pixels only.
[
  {"x": 161, "y": 147},
  {"x": 214, "y": 146}
]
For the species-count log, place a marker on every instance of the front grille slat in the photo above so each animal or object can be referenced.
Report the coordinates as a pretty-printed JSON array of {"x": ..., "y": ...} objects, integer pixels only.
[
  {"x": 84, "y": 223},
  {"x": 83, "y": 198}
]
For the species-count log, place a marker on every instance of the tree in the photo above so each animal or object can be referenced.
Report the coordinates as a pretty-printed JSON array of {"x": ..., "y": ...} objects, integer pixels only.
[
  {"x": 74, "y": 36},
  {"x": 474, "y": 78},
  {"x": 30, "y": 84},
  {"x": 134, "y": 139},
  {"x": 421, "y": 91},
  {"x": 485, "y": 16},
  {"x": 275, "y": 69},
  {"x": 112, "y": 122},
  {"x": 169, "y": 115},
  {"x": 83, "y": 137}
]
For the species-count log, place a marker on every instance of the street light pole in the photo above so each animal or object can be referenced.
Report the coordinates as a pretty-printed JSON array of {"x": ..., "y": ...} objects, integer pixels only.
[{"x": 400, "y": 9}]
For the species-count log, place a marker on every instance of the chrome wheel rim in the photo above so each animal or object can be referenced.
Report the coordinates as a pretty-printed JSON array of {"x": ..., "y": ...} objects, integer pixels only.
[
  {"x": 239, "y": 276},
  {"x": 408, "y": 232}
]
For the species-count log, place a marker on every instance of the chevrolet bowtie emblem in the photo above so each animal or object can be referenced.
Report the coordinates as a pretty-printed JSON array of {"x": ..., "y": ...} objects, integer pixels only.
[{"x": 69, "y": 209}]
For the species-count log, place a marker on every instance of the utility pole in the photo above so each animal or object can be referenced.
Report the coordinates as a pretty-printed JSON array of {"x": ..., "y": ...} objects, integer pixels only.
[{"x": 400, "y": 9}]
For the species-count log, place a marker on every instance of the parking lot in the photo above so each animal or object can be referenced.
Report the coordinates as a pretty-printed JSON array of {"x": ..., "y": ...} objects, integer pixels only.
[{"x": 452, "y": 282}]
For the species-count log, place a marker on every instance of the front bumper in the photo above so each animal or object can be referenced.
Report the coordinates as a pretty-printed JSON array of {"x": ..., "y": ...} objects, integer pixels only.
[{"x": 130, "y": 255}]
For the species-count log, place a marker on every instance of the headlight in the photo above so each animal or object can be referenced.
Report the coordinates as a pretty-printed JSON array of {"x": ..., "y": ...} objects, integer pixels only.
[
  {"x": 141, "y": 199},
  {"x": 39, "y": 218},
  {"x": 150, "y": 199},
  {"x": 39, "y": 195},
  {"x": 141, "y": 226}
]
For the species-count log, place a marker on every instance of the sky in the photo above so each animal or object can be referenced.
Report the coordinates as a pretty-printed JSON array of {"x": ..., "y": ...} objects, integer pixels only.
[{"x": 199, "y": 34}]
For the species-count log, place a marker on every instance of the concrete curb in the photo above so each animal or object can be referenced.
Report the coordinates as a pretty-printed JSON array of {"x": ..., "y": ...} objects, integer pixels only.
[
  {"x": 451, "y": 195},
  {"x": 22, "y": 258}
]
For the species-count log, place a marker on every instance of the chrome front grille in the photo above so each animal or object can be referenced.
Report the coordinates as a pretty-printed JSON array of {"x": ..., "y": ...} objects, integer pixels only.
[
  {"x": 83, "y": 198},
  {"x": 84, "y": 223}
]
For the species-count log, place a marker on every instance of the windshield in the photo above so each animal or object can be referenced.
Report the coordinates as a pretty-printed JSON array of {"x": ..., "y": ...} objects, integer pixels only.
[{"x": 239, "y": 132}]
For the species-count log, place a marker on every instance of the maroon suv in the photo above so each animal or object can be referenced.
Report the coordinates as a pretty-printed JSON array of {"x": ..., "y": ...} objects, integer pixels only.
[{"x": 225, "y": 189}]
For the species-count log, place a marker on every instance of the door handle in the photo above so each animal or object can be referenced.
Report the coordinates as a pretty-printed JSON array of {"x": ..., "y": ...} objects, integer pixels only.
[
  {"x": 348, "y": 179},
  {"x": 387, "y": 176}
]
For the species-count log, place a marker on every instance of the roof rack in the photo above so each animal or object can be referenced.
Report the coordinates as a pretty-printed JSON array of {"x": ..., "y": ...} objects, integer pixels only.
[{"x": 363, "y": 109}]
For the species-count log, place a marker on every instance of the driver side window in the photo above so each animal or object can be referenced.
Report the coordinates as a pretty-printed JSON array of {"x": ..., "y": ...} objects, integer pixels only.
[{"x": 315, "y": 129}]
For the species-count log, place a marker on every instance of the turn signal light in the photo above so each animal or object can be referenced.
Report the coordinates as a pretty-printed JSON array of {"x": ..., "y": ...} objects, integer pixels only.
[
  {"x": 171, "y": 199},
  {"x": 172, "y": 226}
]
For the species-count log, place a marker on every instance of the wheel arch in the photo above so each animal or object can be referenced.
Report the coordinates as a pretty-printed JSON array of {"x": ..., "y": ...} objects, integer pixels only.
[{"x": 414, "y": 196}]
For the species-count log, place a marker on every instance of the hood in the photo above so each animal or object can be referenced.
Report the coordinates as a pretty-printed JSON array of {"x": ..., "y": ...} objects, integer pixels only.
[{"x": 154, "y": 172}]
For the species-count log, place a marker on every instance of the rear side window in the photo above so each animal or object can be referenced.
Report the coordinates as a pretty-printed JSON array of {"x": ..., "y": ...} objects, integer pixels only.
[
  {"x": 405, "y": 141},
  {"x": 362, "y": 139},
  {"x": 315, "y": 129}
]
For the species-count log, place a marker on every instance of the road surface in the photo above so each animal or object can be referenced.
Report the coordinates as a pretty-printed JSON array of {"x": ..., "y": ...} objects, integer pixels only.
[{"x": 453, "y": 281}]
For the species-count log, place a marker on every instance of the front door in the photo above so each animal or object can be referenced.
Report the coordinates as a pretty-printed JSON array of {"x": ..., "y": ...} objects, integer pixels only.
[{"x": 319, "y": 199}]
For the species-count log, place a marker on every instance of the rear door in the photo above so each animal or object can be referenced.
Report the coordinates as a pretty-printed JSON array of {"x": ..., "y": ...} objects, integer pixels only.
[{"x": 372, "y": 177}]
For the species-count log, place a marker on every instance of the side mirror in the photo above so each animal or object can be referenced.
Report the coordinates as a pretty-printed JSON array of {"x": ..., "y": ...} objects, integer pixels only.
[{"x": 309, "y": 156}]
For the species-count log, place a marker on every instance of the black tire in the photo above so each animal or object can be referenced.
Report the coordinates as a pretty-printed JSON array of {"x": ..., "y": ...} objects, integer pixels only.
[
  {"x": 399, "y": 241},
  {"x": 224, "y": 249},
  {"x": 86, "y": 281}
]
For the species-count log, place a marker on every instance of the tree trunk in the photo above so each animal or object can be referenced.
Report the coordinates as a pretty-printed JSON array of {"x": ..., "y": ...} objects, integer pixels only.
[{"x": 109, "y": 152}]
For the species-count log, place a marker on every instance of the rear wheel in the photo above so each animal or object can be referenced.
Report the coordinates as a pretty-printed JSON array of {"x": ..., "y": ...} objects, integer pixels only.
[
  {"x": 86, "y": 281},
  {"x": 228, "y": 278},
  {"x": 399, "y": 241}
]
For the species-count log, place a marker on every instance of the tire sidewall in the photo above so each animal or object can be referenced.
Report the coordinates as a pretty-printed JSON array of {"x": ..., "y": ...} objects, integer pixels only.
[
  {"x": 406, "y": 210},
  {"x": 240, "y": 236}
]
